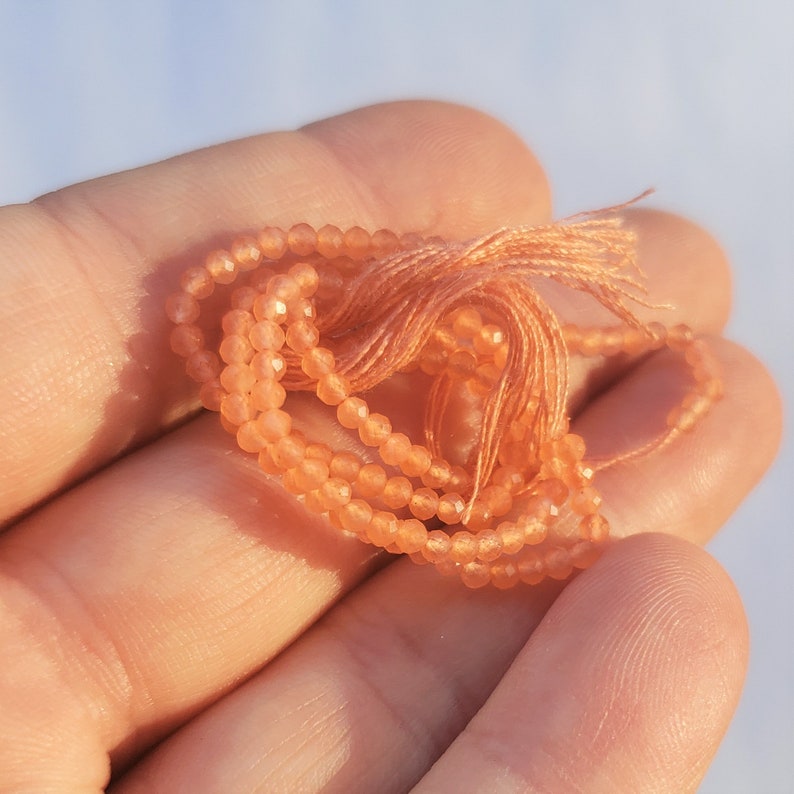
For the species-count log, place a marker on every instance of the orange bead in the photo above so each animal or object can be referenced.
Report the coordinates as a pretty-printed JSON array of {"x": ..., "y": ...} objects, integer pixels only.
[
  {"x": 437, "y": 475},
  {"x": 203, "y": 365},
  {"x": 356, "y": 515},
  {"x": 489, "y": 545},
  {"x": 268, "y": 364},
  {"x": 512, "y": 537},
  {"x": 237, "y": 408},
  {"x": 462, "y": 364},
  {"x": 182, "y": 309},
  {"x": 310, "y": 474},
  {"x": 345, "y": 465},
  {"x": 586, "y": 501},
  {"x": 466, "y": 322},
  {"x": 330, "y": 241},
  {"x": 249, "y": 438},
  {"x": 395, "y": 449},
  {"x": 332, "y": 388},
  {"x": 383, "y": 528},
  {"x": 238, "y": 378},
  {"x": 270, "y": 307},
  {"x": 411, "y": 536},
  {"x": 352, "y": 412},
  {"x": 475, "y": 574},
  {"x": 288, "y": 451},
  {"x": 247, "y": 252},
  {"x": 317, "y": 361},
  {"x": 423, "y": 504},
  {"x": 531, "y": 569},
  {"x": 197, "y": 283},
  {"x": 371, "y": 480},
  {"x": 594, "y": 527},
  {"x": 211, "y": 394},
  {"x": 236, "y": 349},
  {"x": 504, "y": 575},
  {"x": 335, "y": 493},
  {"x": 321, "y": 452},
  {"x": 488, "y": 339},
  {"x": 375, "y": 430},
  {"x": 463, "y": 547},
  {"x": 384, "y": 242},
  {"x": 273, "y": 242},
  {"x": 221, "y": 266},
  {"x": 302, "y": 239},
  {"x": 274, "y": 424},
  {"x": 307, "y": 278},
  {"x": 397, "y": 492},
  {"x": 437, "y": 546},
  {"x": 356, "y": 243},
  {"x": 450, "y": 508},
  {"x": 267, "y": 394},
  {"x": 508, "y": 477},
  {"x": 558, "y": 563},
  {"x": 417, "y": 461},
  {"x": 267, "y": 335},
  {"x": 186, "y": 339}
]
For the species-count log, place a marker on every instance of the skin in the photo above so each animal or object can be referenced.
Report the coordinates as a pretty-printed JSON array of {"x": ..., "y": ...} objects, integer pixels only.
[{"x": 172, "y": 620}]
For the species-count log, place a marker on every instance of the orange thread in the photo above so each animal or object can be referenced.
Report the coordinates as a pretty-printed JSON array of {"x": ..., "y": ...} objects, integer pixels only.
[{"x": 338, "y": 313}]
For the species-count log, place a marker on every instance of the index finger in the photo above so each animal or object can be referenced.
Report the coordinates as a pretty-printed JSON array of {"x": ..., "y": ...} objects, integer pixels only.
[{"x": 85, "y": 374}]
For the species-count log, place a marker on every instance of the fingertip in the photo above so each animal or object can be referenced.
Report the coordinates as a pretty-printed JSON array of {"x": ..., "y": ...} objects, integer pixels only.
[{"x": 438, "y": 167}]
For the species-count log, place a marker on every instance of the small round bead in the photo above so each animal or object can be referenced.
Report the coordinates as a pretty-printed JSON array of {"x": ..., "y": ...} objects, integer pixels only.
[
  {"x": 417, "y": 461},
  {"x": 237, "y": 322},
  {"x": 397, "y": 492},
  {"x": 489, "y": 545},
  {"x": 450, "y": 508},
  {"x": 423, "y": 504},
  {"x": 302, "y": 336},
  {"x": 504, "y": 575},
  {"x": 197, "y": 282},
  {"x": 267, "y": 394},
  {"x": 211, "y": 394},
  {"x": 237, "y": 408},
  {"x": 479, "y": 516},
  {"x": 345, "y": 465},
  {"x": 267, "y": 335},
  {"x": 221, "y": 266},
  {"x": 236, "y": 349},
  {"x": 395, "y": 449},
  {"x": 475, "y": 574},
  {"x": 356, "y": 242},
  {"x": 466, "y": 322},
  {"x": 437, "y": 475},
  {"x": 356, "y": 515},
  {"x": 310, "y": 474},
  {"x": 459, "y": 480},
  {"x": 182, "y": 309},
  {"x": 274, "y": 424},
  {"x": 318, "y": 361},
  {"x": 301, "y": 239},
  {"x": 437, "y": 546},
  {"x": 273, "y": 242},
  {"x": 371, "y": 480},
  {"x": 594, "y": 527},
  {"x": 512, "y": 537},
  {"x": 383, "y": 528},
  {"x": 531, "y": 569},
  {"x": 508, "y": 477},
  {"x": 532, "y": 528},
  {"x": 238, "y": 378},
  {"x": 203, "y": 365},
  {"x": 250, "y": 438},
  {"x": 270, "y": 307},
  {"x": 463, "y": 547},
  {"x": 335, "y": 493},
  {"x": 288, "y": 451},
  {"x": 352, "y": 412},
  {"x": 307, "y": 277},
  {"x": 269, "y": 466},
  {"x": 498, "y": 499},
  {"x": 321, "y": 452},
  {"x": 411, "y": 536},
  {"x": 247, "y": 252},
  {"x": 332, "y": 388},
  {"x": 583, "y": 554},
  {"x": 488, "y": 339},
  {"x": 384, "y": 242},
  {"x": 284, "y": 288},
  {"x": 330, "y": 241},
  {"x": 268, "y": 364},
  {"x": 586, "y": 501},
  {"x": 375, "y": 430},
  {"x": 558, "y": 563},
  {"x": 186, "y": 340}
]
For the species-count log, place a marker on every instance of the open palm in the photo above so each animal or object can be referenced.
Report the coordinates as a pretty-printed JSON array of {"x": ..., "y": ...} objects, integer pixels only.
[{"x": 170, "y": 617}]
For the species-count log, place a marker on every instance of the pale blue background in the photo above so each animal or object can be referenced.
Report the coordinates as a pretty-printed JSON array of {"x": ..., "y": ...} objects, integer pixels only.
[{"x": 695, "y": 98}]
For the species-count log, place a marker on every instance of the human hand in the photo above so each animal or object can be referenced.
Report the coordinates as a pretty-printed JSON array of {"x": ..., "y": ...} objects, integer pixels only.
[{"x": 159, "y": 586}]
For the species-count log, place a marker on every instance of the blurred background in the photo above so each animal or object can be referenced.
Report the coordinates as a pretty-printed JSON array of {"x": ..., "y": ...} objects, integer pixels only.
[{"x": 695, "y": 98}]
